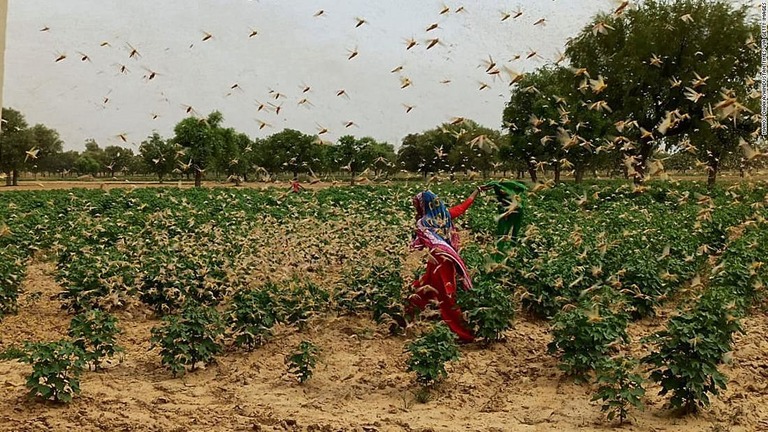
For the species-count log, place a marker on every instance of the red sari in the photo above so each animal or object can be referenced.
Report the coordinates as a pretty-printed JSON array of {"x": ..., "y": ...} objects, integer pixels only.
[{"x": 438, "y": 283}]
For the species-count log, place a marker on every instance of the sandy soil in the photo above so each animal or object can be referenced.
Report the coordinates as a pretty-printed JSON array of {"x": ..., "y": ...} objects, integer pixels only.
[{"x": 361, "y": 384}]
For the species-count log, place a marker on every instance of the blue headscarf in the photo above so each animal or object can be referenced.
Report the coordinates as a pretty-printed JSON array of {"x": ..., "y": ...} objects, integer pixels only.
[{"x": 434, "y": 215}]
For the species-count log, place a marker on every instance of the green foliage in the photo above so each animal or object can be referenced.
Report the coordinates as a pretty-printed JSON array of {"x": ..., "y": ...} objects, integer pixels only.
[
  {"x": 378, "y": 289},
  {"x": 56, "y": 368},
  {"x": 302, "y": 301},
  {"x": 585, "y": 335},
  {"x": 688, "y": 351},
  {"x": 169, "y": 280},
  {"x": 102, "y": 280},
  {"x": 288, "y": 150},
  {"x": 488, "y": 308},
  {"x": 619, "y": 387},
  {"x": 18, "y": 138},
  {"x": 12, "y": 270},
  {"x": 159, "y": 155},
  {"x": 189, "y": 338},
  {"x": 87, "y": 165},
  {"x": 301, "y": 363},
  {"x": 252, "y": 314},
  {"x": 711, "y": 44},
  {"x": 429, "y": 353},
  {"x": 202, "y": 140},
  {"x": 538, "y": 140},
  {"x": 463, "y": 146},
  {"x": 94, "y": 332}
]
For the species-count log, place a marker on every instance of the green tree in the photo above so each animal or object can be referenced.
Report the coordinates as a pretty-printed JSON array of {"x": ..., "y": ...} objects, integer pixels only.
[
  {"x": 472, "y": 146},
  {"x": 384, "y": 158},
  {"x": 416, "y": 154},
  {"x": 354, "y": 154},
  {"x": 663, "y": 71},
  {"x": 96, "y": 153},
  {"x": 87, "y": 165},
  {"x": 15, "y": 141},
  {"x": 247, "y": 156},
  {"x": 64, "y": 162},
  {"x": 551, "y": 128},
  {"x": 202, "y": 139},
  {"x": 158, "y": 155},
  {"x": 117, "y": 158},
  {"x": 49, "y": 147},
  {"x": 228, "y": 158},
  {"x": 290, "y": 150}
]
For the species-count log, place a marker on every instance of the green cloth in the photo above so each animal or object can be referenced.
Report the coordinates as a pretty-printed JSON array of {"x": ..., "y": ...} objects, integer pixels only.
[{"x": 505, "y": 191}]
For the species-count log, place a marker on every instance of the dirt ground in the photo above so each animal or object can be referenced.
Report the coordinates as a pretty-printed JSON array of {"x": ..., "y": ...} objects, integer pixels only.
[
  {"x": 360, "y": 384},
  {"x": 99, "y": 183}
]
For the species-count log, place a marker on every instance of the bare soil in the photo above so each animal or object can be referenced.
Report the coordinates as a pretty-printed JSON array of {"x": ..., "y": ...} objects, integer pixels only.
[{"x": 360, "y": 385}]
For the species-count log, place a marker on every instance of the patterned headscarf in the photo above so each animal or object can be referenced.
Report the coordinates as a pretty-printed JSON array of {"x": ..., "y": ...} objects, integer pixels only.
[
  {"x": 435, "y": 231},
  {"x": 434, "y": 215}
]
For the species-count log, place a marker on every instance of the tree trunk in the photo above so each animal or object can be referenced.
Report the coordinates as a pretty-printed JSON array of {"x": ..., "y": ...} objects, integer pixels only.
[
  {"x": 352, "y": 178},
  {"x": 198, "y": 179},
  {"x": 8, "y": 179},
  {"x": 245, "y": 177},
  {"x": 712, "y": 173},
  {"x": 557, "y": 173},
  {"x": 160, "y": 177},
  {"x": 15, "y": 177},
  {"x": 532, "y": 173},
  {"x": 579, "y": 175}
]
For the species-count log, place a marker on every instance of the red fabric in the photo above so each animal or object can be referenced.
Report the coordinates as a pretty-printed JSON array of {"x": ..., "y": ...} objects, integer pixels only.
[
  {"x": 295, "y": 185},
  {"x": 438, "y": 283},
  {"x": 459, "y": 210}
]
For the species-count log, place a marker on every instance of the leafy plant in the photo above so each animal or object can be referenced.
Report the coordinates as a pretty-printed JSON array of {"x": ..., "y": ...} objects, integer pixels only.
[
  {"x": 380, "y": 290},
  {"x": 252, "y": 315},
  {"x": 170, "y": 280},
  {"x": 12, "y": 271},
  {"x": 56, "y": 368},
  {"x": 488, "y": 309},
  {"x": 94, "y": 332},
  {"x": 583, "y": 336},
  {"x": 619, "y": 387},
  {"x": 689, "y": 350},
  {"x": 301, "y": 362},
  {"x": 303, "y": 301},
  {"x": 101, "y": 278},
  {"x": 188, "y": 338},
  {"x": 429, "y": 354}
]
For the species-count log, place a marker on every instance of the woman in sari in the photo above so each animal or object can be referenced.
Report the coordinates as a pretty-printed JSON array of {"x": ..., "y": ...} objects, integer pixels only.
[{"x": 435, "y": 232}]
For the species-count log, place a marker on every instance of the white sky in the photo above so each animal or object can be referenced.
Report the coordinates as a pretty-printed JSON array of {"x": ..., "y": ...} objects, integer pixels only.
[{"x": 292, "y": 48}]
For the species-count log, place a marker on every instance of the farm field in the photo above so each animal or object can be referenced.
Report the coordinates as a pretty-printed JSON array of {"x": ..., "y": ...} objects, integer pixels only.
[{"x": 332, "y": 266}]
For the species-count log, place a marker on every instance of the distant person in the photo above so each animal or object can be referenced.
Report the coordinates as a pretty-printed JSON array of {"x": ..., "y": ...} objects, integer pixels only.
[{"x": 295, "y": 186}]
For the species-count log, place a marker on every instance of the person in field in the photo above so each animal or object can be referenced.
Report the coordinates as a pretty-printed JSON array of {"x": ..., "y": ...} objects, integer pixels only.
[
  {"x": 436, "y": 232},
  {"x": 295, "y": 186}
]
